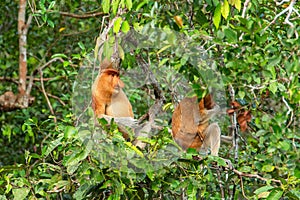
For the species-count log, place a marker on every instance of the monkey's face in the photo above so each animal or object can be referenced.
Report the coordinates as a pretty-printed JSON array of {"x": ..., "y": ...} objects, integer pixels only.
[
  {"x": 112, "y": 79},
  {"x": 117, "y": 84}
]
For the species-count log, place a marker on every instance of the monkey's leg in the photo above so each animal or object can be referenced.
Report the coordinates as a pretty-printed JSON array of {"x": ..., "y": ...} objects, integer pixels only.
[{"x": 212, "y": 138}]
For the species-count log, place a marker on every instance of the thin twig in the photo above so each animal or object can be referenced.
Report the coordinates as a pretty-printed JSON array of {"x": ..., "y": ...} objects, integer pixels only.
[
  {"x": 242, "y": 187},
  {"x": 29, "y": 87},
  {"x": 255, "y": 176},
  {"x": 82, "y": 16},
  {"x": 290, "y": 110},
  {"x": 244, "y": 16},
  {"x": 45, "y": 94},
  {"x": 83, "y": 112},
  {"x": 245, "y": 8},
  {"x": 15, "y": 80},
  {"x": 57, "y": 98},
  {"x": 234, "y": 126},
  {"x": 220, "y": 185}
]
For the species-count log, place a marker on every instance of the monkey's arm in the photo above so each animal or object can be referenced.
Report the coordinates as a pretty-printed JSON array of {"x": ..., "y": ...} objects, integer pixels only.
[
  {"x": 98, "y": 107},
  {"x": 212, "y": 139}
]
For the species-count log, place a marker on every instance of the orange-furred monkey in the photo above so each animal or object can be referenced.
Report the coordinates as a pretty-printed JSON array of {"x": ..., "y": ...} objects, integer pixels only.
[
  {"x": 190, "y": 125},
  {"x": 108, "y": 97}
]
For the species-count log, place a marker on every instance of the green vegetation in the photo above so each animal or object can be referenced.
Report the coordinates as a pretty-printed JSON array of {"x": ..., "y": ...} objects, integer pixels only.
[{"x": 52, "y": 150}]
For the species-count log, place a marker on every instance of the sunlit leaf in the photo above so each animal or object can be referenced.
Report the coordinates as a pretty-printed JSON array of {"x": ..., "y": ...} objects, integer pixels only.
[
  {"x": 106, "y": 6},
  {"x": 237, "y": 4},
  {"x": 125, "y": 26},
  {"x": 268, "y": 168},
  {"x": 128, "y": 4},
  {"x": 225, "y": 9},
  {"x": 115, "y": 6},
  {"x": 117, "y": 25},
  {"x": 217, "y": 16}
]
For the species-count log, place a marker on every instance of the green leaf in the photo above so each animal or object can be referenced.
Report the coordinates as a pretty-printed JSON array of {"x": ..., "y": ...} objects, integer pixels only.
[
  {"x": 141, "y": 5},
  {"x": 275, "y": 194},
  {"x": 284, "y": 145},
  {"x": 50, "y": 23},
  {"x": 241, "y": 94},
  {"x": 268, "y": 168},
  {"x": 217, "y": 16},
  {"x": 225, "y": 9},
  {"x": 273, "y": 87},
  {"x": 69, "y": 132},
  {"x": 129, "y": 4},
  {"x": 281, "y": 87},
  {"x": 238, "y": 4},
  {"x": 52, "y": 4},
  {"x": 52, "y": 146},
  {"x": 245, "y": 169},
  {"x": 134, "y": 148},
  {"x": 125, "y": 26},
  {"x": 163, "y": 49},
  {"x": 275, "y": 60},
  {"x": 121, "y": 52},
  {"x": 115, "y": 6},
  {"x": 20, "y": 193},
  {"x": 117, "y": 25},
  {"x": 231, "y": 35},
  {"x": 81, "y": 45},
  {"x": 106, "y": 6},
  {"x": 59, "y": 55},
  {"x": 263, "y": 189}
]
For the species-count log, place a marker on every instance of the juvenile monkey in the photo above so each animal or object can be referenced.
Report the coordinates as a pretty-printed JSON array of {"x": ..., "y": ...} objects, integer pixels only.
[{"x": 191, "y": 127}]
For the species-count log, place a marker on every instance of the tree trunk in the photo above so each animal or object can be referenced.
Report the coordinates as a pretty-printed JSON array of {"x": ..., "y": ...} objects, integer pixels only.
[{"x": 22, "y": 31}]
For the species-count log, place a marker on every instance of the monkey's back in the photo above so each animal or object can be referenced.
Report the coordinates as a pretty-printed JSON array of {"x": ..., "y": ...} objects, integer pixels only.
[{"x": 185, "y": 121}]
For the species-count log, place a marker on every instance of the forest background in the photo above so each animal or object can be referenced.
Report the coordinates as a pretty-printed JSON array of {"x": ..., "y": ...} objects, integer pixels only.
[{"x": 245, "y": 52}]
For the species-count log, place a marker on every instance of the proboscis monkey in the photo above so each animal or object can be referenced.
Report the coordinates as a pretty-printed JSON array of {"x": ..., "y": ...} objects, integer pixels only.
[
  {"x": 108, "y": 98},
  {"x": 191, "y": 127}
]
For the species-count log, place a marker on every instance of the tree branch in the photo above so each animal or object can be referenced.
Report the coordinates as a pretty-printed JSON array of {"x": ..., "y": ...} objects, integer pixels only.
[
  {"x": 289, "y": 9},
  {"x": 45, "y": 94},
  {"x": 234, "y": 126},
  {"x": 82, "y": 16}
]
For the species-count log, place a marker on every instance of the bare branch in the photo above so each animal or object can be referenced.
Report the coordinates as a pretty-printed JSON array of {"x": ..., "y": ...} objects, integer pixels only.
[
  {"x": 82, "y": 16},
  {"x": 234, "y": 126},
  {"x": 283, "y": 1},
  {"x": 245, "y": 8},
  {"x": 45, "y": 94},
  {"x": 290, "y": 110},
  {"x": 57, "y": 98},
  {"x": 288, "y": 9},
  {"x": 255, "y": 176},
  {"x": 29, "y": 87}
]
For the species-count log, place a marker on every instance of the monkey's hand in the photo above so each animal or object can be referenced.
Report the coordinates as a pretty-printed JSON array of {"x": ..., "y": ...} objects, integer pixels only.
[
  {"x": 124, "y": 121},
  {"x": 215, "y": 110}
]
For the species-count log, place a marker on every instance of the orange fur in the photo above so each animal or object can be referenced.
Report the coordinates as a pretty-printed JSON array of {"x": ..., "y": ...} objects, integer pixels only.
[{"x": 107, "y": 95}]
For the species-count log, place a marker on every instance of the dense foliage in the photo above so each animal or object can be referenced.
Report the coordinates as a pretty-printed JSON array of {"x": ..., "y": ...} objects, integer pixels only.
[{"x": 190, "y": 46}]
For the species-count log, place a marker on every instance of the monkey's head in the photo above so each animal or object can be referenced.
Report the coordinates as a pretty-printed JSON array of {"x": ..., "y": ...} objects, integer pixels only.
[{"x": 112, "y": 78}]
